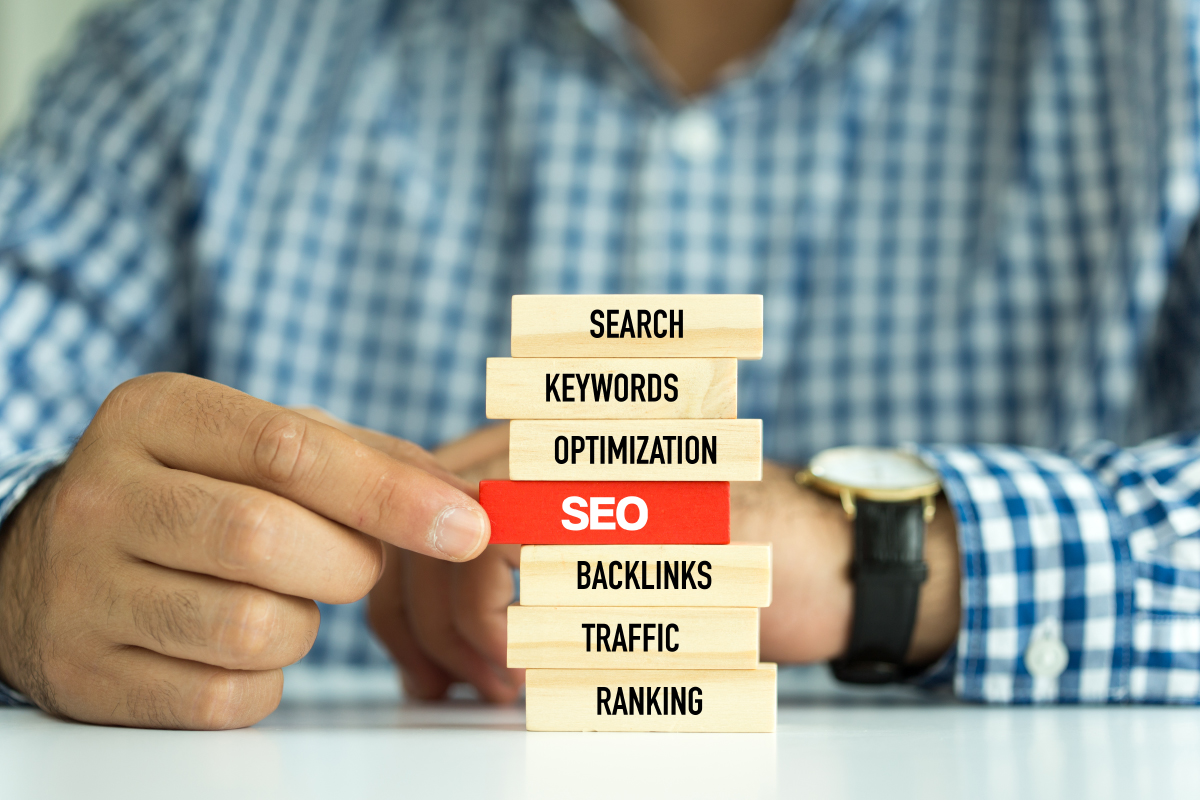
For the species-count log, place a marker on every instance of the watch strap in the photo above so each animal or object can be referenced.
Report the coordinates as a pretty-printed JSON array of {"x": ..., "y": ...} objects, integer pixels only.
[{"x": 888, "y": 570}]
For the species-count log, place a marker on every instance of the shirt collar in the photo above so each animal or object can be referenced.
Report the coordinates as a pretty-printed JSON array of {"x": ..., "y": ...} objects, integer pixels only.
[{"x": 819, "y": 32}]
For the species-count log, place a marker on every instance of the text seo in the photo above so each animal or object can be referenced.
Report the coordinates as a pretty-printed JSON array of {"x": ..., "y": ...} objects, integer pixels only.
[{"x": 599, "y": 514}]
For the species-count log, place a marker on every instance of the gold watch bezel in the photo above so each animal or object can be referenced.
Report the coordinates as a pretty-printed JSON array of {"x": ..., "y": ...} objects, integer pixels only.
[{"x": 849, "y": 493}]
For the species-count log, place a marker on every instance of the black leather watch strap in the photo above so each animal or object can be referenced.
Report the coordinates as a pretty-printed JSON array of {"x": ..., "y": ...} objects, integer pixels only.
[{"x": 888, "y": 570}]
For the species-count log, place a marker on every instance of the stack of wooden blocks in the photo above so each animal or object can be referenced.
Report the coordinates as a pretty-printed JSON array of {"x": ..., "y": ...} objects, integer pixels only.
[{"x": 636, "y": 613}]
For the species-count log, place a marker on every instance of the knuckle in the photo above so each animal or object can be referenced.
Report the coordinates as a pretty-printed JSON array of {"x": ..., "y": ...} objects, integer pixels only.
[
  {"x": 133, "y": 395},
  {"x": 359, "y": 581},
  {"x": 75, "y": 501},
  {"x": 277, "y": 448},
  {"x": 131, "y": 407},
  {"x": 378, "y": 499},
  {"x": 248, "y": 628},
  {"x": 307, "y": 631},
  {"x": 219, "y": 701},
  {"x": 311, "y": 625},
  {"x": 246, "y": 537},
  {"x": 374, "y": 562},
  {"x": 125, "y": 395}
]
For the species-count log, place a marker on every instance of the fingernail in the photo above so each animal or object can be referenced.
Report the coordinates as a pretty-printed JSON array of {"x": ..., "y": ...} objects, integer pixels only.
[{"x": 456, "y": 532}]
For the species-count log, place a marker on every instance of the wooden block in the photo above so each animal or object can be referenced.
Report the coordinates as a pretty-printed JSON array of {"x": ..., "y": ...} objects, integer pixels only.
[
  {"x": 637, "y": 326},
  {"x": 632, "y": 637},
  {"x": 697, "y": 700},
  {"x": 607, "y": 512},
  {"x": 611, "y": 388},
  {"x": 735, "y": 575},
  {"x": 635, "y": 450}
]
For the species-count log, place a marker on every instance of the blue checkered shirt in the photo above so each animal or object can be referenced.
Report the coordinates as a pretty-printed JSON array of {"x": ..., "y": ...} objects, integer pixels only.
[{"x": 971, "y": 221}]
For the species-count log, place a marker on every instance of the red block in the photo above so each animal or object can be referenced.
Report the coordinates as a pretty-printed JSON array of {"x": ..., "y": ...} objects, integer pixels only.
[{"x": 581, "y": 512}]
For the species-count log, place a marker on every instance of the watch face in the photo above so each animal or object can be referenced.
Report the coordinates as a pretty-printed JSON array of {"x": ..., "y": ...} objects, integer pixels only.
[{"x": 872, "y": 468}]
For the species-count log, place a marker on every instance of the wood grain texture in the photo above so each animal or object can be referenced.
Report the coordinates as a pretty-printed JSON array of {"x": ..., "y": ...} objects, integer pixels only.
[
  {"x": 736, "y": 454},
  {"x": 632, "y": 637},
  {"x": 635, "y": 388},
  {"x": 741, "y": 575},
  {"x": 713, "y": 326},
  {"x": 716, "y": 700},
  {"x": 676, "y": 512}
]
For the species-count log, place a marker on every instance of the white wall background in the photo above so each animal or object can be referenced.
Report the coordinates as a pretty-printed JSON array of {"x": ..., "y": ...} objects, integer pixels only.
[{"x": 32, "y": 32}]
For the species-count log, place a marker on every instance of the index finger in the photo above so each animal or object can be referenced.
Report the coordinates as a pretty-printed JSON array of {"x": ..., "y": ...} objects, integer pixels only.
[
  {"x": 203, "y": 427},
  {"x": 399, "y": 449}
]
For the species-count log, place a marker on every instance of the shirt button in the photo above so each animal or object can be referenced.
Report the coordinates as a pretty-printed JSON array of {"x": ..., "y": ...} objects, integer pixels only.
[
  {"x": 1046, "y": 657},
  {"x": 695, "y": 135}
]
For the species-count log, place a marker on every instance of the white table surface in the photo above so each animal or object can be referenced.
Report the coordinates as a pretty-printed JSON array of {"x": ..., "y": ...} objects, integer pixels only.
[{"x": 831, "y": 743}]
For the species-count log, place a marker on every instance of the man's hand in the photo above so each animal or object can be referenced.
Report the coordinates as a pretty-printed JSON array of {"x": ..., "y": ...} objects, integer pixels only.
[
  {"x": 165, "y": 574},
  {"x": 448, "y": 623}
]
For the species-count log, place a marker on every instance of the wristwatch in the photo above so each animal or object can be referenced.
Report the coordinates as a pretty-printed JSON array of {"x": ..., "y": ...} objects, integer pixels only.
[{"x": 890, "y": 496}]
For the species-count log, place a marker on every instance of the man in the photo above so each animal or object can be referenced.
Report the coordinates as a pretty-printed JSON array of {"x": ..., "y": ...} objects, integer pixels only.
[{"x": 969, "y": 220}]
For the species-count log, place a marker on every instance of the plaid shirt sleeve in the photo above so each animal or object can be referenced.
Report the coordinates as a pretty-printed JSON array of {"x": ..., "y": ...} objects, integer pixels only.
[
  {"x": 93, "y": 234},
  {"x": 1098, "y": 550},
  {"x": 94, "y": 238}
]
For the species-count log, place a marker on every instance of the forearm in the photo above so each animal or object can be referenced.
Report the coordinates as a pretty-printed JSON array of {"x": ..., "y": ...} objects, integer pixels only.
[{"x": 812, "y": 608}]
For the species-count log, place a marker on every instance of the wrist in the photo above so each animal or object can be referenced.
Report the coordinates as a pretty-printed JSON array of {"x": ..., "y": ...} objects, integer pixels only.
[
  {"x": 812, "y": 547},
  {"x": 936, "y": 627},
  {"x": 19, "y": 598},
  {"x": 812, "y": 612}
]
